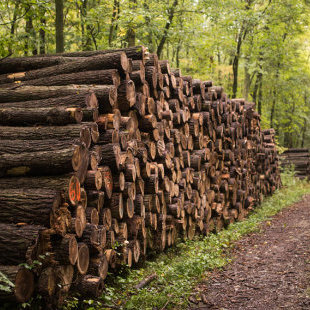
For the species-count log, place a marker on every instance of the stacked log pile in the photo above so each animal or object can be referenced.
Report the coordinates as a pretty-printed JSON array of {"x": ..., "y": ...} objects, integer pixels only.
[
  {"x": 107, "y": 156},
  {"x": 299, "y": 159}
]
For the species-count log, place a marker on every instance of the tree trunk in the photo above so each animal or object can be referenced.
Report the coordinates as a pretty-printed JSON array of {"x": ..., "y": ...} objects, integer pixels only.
[
  {"x": 59, "y": 24},
  {"x": 131, "y": 34},
  {"x": 166, "y": 29},
  {"x": 42, "y": 34},
  {"x": 113, "y": 20},
  {"x": 31, "y": 35},
  {"x": 260, "y": 94},
  {"x": 13, "y": 25}
]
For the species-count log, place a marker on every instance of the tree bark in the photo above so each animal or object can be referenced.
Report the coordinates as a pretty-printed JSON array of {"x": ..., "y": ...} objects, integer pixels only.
[
  {"x": 83, "y": 100},
  {"x": 45, "y": 162},
  {"x": 21, "y": 64},
  {"x": 19, "y": 244},
  {"x": 62, "y": 133},
  {"x": 43, "y": 116},
  {"x": 31, "y": 206},
  {"x": 100, "y": 77},
  {"x": 59, "y": 25},
  {"x": 117, "y": 60},
  {"x": 114, "y": 18}
]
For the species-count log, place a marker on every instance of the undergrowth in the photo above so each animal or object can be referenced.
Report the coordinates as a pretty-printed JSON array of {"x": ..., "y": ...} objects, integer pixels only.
[{"x": 180, "y": 268}]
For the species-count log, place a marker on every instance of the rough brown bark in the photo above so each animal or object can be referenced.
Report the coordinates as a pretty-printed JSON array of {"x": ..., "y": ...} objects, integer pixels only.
[
  {"x": 19, "y": 64},
  {"x": 78, "y": 100},
  {"x": 63, "y": 133},
  {"x": 44, "y": 116},
  {"x": 101, "y": 77},
  {"x": 19, "y": 244},
  {"x": 117, "y": 60},
  {"x": 31, "y": 206},
  {"x": 68, "y": 185},
  {"x": 45, "y": 162},
  {"x": 104, "y": 93}
]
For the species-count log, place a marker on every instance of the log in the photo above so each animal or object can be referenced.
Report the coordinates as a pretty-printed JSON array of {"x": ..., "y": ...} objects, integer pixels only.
[
  {"x": 93, "y": 180},
  {"x": 117, "y": 60},
  {"x": 78, "y": 100},
  {"x": 23, "y": 281},
  {"x": 68, "y": 185},
  {"x": 104, "y": 93},
  {"x": 115, "y": 204},
  {"x": 83, "y": 258},
  {"x": 65, "y": 249},
  {"x": 111, "y": 155},
  {"x": 98, "y": 266},
  {"x": 64, "y": 277},
  {"x": 89, "y": 286},
  {"x": 45, "y": 162},
  {"x": 126, "y": 95},
  {"x": 18, "y": 64},
  {"x": 107, "y": 180},
  {"x": 64, "y": 133},
  {"x": 46, "y": 284},
  {"x": 32, "y": 206},
  {"x": 44, "y": 116},
  {"x": 101, "y": 77},
  {"x": 19, "y": 244}
]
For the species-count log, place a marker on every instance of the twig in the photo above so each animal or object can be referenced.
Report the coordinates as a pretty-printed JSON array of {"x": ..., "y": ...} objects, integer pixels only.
[{"x": 146, "y": 281}]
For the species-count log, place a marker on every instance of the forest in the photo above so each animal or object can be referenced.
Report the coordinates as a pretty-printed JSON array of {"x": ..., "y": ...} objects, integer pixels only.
[
  {"x": 257, "y": 49},
  {"x": 139, "y": 145}
]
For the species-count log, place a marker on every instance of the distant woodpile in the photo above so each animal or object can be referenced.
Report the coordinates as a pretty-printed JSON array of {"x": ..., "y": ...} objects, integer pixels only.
[
  {"x": 299, "y": 160},
  {"x": 107, "y": 156}
]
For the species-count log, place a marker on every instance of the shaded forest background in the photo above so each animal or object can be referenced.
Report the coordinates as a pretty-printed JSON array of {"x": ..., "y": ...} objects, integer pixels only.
[{"x": 256, "y": 49}]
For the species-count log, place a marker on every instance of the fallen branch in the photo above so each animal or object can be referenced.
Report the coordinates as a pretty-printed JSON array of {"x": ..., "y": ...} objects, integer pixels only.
[{"x": 146, "y": 281}]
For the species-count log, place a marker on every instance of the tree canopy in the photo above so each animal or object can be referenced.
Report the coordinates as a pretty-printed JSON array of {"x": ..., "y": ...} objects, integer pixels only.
[{"x": 256, "y": 49}]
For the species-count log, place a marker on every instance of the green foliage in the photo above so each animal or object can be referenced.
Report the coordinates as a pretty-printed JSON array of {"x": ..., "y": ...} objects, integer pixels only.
[
  {"x": 5, "y": 284},
  {"x": 204, "y": 38},
  {"x": 182, "y": 267}
]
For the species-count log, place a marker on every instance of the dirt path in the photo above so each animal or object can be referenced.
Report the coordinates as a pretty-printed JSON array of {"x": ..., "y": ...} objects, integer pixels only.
[{"x": 271, "y": 269}]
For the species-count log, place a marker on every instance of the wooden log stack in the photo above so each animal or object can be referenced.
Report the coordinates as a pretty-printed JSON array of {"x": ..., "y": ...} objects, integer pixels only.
[
  {"x": 299, "y": 159},
  {"x": 108, "y": 156}
]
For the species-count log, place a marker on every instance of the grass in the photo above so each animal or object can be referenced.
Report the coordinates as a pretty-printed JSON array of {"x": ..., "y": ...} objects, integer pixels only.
[{"x": 180, "y": 268}]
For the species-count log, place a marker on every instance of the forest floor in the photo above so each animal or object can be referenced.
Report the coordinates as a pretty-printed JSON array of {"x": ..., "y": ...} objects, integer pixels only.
[{"x": 270, "y": 269}]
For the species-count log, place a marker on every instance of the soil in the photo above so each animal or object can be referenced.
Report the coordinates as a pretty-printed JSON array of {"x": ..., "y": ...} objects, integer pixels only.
[{"x": 270, "y": 270}]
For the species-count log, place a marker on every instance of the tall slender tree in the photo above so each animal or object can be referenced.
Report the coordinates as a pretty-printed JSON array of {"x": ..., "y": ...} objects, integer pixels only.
[{"x": 59, "y": 25}]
